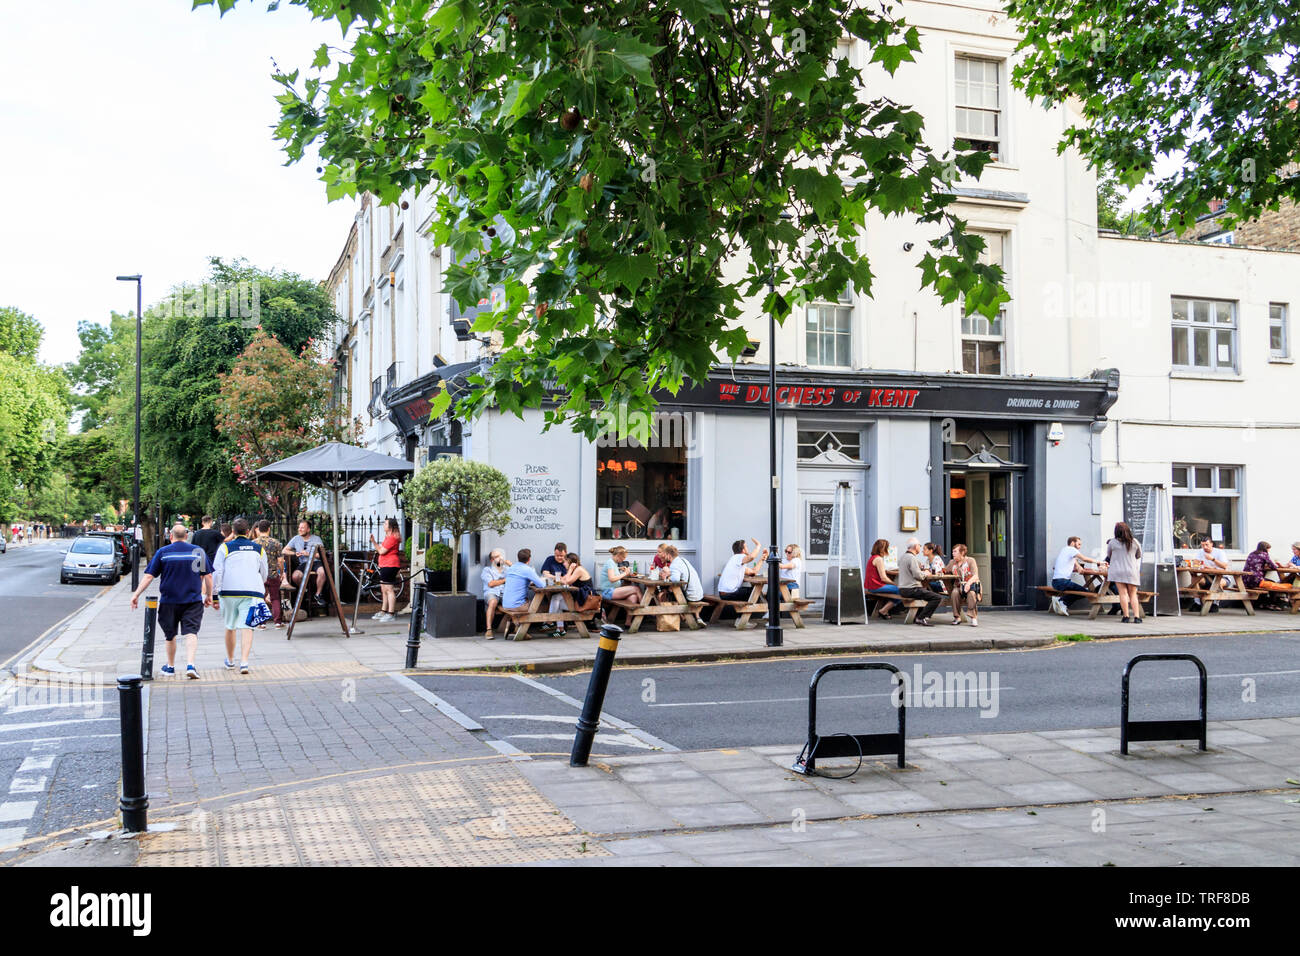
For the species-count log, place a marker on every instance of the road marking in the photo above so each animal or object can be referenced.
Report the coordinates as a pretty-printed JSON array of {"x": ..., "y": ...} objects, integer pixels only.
[
  {"x": 23, "y": 708},
  {"x": 1247, "y": 674},
  {"x": 623, "y": 725},
  {"x": 51, "y": 743},
  {"x": 28, "y": 784},
  {"x": 16, "y": 810},
  {"x": 510, "y": 750},
  {"x": 548, "y": 718},
  {"x": 448, "y": 710},
  {"x": 618, "y": 740},
  {"x": 11, "y": 835},
  {"x": 36, "y": 763},
  {"x": 52, "y": 723}
]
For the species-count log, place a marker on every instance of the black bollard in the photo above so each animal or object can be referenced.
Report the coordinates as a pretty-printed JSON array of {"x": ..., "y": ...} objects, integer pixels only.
[
  {"x": 590, "y": 719},
  {"x": 134, "y": 802},
  {"x": 417, "y": 624},
  {"x": 150, "y": 629}
]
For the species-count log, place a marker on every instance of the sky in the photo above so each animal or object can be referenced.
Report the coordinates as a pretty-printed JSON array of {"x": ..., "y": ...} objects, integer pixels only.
[{"x": 135, "y": 137}]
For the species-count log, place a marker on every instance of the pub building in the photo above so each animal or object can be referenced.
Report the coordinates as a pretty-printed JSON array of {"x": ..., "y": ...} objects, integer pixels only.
[{"x": 1008, "y": 466}]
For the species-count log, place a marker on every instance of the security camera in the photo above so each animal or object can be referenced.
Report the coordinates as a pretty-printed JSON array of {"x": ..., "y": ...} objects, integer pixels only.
[{"x": 907, "y": 247}]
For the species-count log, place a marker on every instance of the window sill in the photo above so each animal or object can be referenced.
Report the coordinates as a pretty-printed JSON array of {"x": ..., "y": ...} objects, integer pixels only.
[
  {"x": 1281, "y": 361},
  {"x": 1207, "y": 376}
]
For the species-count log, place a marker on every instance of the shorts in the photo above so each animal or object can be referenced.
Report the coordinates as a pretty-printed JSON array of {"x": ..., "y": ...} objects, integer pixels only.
[
  {"x": 388, "y": 575},
  {"x": 497, "y": 592},
  {"x": 188, "y": 616},
  {"x": 234, "y": 611}
]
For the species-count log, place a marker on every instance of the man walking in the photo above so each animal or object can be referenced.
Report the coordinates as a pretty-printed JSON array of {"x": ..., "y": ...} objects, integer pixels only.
[
  {"x": 239, "y": 577},
  {"x": 912, "y": 578},
  {"x": 186, "y": 586},
  {"x": 208, "y": 538}
]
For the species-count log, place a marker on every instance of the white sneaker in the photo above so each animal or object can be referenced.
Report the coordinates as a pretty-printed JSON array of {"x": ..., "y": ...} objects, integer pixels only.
[
  {"x": 378, "y": 616},
  {"x": 384, "y": 617}
]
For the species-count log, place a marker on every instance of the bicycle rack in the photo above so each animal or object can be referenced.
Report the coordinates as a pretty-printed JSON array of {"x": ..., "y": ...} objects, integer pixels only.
[
  {"x": 1160, "y": 729},
  {"x": 851, "y": 745}
]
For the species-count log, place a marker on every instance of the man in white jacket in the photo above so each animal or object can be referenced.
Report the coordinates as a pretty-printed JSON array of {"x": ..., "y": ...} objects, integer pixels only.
[{"x": 239, "y": 577}]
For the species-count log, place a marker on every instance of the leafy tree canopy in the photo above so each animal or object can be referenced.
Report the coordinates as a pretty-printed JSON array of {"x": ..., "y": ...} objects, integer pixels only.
[
  {"x": 20, "y": 334},
  {"x": 459, "y": 496},
  {"x": 602, "y": 163},
  {"x": 1213, "y": 82},
  {"x": 107, "y": 351}
]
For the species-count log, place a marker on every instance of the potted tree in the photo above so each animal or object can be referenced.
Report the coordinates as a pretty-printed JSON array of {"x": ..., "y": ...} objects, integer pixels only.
[{"x": 461, "y": 497}]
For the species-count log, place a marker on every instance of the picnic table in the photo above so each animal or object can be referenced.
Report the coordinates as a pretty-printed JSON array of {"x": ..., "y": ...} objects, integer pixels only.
[
  {"x": 1095, "y": 591},
  {"x": 524, "y": 618},
  {"x": 757, "y": 603},
  {"x": 912, "y": 605},
  {"x": 1225, "y": 585},
  {"x": 1289, "y": 574},
  {"x": 659, "y": 597}
]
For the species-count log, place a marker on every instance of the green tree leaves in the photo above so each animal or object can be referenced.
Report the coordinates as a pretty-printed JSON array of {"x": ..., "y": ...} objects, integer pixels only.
[{"x": 461, "y": 497}]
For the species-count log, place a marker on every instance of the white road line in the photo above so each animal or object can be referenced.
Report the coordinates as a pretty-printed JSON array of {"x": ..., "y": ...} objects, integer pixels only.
[
  {"x": 16, "y": 810},
  {"x": 28, "y": 784},
  {"x": 546, "y": 718},
  {"x": 469, "y": 723},
  {"x": 11, "y": 835},
  {"x": 4, "y": 728},
  {"x": 23, "y": 708},
  {"x": 51, "y": 743},
  {"x": 623, "y": 725},
  {"x": 36, "y": 763},
  {"x": 1246, "y": 674},
  {"x": 510, "y": 750}
]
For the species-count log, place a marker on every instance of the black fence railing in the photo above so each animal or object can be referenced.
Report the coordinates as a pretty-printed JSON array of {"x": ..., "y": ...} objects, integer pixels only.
[{"x": 354, "y": 530}]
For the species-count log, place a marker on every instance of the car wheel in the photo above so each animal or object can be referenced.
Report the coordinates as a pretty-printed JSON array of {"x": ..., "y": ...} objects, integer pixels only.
[{"x": 62, "y": 579}]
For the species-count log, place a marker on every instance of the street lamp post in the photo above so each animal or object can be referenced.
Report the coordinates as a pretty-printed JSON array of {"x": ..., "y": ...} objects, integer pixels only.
[
  {"x": 774, "y": 635},
  {"x": 135, "y": 503}
]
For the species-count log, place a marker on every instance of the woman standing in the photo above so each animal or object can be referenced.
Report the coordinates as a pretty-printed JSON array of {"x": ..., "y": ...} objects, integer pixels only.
[
  {"x": 390, "y": 559},
  {"x": 1124, "y": 555},
  {"x": 878, "y": 582}
]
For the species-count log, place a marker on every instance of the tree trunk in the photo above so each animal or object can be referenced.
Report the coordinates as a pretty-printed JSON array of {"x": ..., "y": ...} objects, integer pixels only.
[{"x": 455, "y": 561}]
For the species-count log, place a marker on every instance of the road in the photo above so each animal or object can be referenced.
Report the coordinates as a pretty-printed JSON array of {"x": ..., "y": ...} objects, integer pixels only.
[
  {"x": 59, "y": 749},
  {"x": 31, "y": 598},
  {"x": 693, "y": 707}
]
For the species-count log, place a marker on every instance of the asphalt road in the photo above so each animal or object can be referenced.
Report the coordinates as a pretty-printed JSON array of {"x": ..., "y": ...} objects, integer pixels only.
[
  {"x": 59, "y": 749},
  {"x": 31, "y": 598},
  {"x": 750, "y": 704}
]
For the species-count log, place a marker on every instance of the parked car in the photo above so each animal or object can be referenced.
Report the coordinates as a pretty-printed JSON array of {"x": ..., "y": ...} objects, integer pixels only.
[
  {"x": 122, "y": 541},
  {"x": 91, "y": 557}
]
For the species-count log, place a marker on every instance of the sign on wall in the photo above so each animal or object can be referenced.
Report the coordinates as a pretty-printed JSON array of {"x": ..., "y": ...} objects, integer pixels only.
[{"x": 536, "y": 495}]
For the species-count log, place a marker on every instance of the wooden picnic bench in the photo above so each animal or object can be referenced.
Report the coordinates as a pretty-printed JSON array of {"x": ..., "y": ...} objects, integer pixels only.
[
  {"x": 523, "y": 618},
  {"x": 658, "y": 598},
  {"x": 1217, "y": 592},
  {"x": 1097, "y": 599},
  {"x": 757, "y": 603}
]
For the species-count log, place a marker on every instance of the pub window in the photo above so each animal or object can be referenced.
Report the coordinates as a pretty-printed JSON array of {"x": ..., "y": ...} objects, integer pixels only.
[
  {"x": 1207, "y": 502},
  {"x": 983, "y": 340},
  {"x": 830, "y": 332},
  {"x": 978, "y": 95},
  {"x": 1279, "y": 335},
  {"x": 641, "y": 484},
  {"x": 815, "y": 442},
  {"x": 1204, "y": 335}
]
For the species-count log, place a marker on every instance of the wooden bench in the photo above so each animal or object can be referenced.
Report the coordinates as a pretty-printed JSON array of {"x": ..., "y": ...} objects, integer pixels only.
[
  {"x": 614, "y": 610},
  {"x": 1097, "y": 599},
  {"x": 523, "y": 618},
  {"x": 717, "y": 607},
  {"x": 1209, "y": 597}
]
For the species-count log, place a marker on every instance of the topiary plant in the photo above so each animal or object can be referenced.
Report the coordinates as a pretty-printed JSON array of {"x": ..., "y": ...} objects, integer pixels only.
[{"x": 460, "y": 497}]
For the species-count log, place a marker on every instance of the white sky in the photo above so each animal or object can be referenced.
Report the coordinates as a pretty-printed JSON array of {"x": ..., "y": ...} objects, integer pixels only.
[{"x": 134, "y": 137}]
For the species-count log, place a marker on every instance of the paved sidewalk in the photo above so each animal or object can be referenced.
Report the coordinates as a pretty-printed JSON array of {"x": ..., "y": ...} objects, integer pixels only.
[{"x": 106, "y": 638}]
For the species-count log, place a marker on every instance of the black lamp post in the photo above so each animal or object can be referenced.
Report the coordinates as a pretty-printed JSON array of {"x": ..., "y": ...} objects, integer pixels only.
[
  {"x": 774, "y": 635},
  {"x": 135, "y": 503}
]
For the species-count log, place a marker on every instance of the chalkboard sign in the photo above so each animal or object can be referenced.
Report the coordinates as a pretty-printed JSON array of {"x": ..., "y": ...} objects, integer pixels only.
[
  {"x": 1140, "y": 503},
  {"x": 819, "y": 528}
]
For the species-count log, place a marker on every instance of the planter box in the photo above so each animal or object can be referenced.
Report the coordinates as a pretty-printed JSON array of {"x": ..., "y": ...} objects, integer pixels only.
[{"x": 449, "y": 615}]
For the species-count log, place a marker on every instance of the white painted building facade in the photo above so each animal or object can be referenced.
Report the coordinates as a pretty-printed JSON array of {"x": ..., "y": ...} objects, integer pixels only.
[{"x": 915, "y": 405}]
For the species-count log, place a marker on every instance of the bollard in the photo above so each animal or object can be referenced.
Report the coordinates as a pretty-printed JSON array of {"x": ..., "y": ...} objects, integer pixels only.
[
  {"x": 134, "y": 802},
  {"x": 590, "y": 718},
  {"x": 150, "y": 629},
  {"x": 417, "y": 624}
]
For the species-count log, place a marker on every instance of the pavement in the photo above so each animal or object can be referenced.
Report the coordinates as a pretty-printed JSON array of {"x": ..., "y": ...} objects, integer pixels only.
[{"x": 327, "y": 753}]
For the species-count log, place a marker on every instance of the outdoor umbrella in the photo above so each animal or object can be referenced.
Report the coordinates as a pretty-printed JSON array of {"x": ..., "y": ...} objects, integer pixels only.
[{"x": 338, "y": 468}]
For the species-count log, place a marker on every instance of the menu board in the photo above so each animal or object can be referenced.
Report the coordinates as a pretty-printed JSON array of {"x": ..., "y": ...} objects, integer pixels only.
[
  {"x": 819, "y": 528},
  {"x": 1140, "y": 503}
]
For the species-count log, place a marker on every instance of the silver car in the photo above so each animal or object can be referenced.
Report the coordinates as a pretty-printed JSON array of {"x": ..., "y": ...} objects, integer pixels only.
[{"x": 90, "y": 558}]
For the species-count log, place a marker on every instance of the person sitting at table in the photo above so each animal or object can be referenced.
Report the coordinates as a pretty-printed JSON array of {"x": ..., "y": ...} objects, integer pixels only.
[
  {"x": 493, "y": 577},
  {"x": 554, "y": 565},
  {"x": 756, "y": 558},
  {"x": 679, "y": 569},
  {"x": 967, "y": 589},
  {"x": 932, "y": 557},
  {"x": 519, "y": 577},
  {"x": 613, "y": 572},
  {"x": 1210, "y": 557},
  {"x": 1295, "y": 554},
  {"x": 731, "y": 582},
  {"x": 1259, "y": 563},
  {"x": 1069, "y": 562},
  {"x": 877, "y": 581},
  {"x": 660, "y": 559},
  {"x": 912, "y": 579},
  {"x": 575, "y": 576},
  {"x": 792, "y": 567}
]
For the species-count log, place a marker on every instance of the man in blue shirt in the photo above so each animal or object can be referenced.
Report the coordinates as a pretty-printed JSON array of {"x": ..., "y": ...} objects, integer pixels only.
[
  {"x": 554, "y": 566},
  {"x": 184, "y": 589},
  {"x": 518, "y": 577}
]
